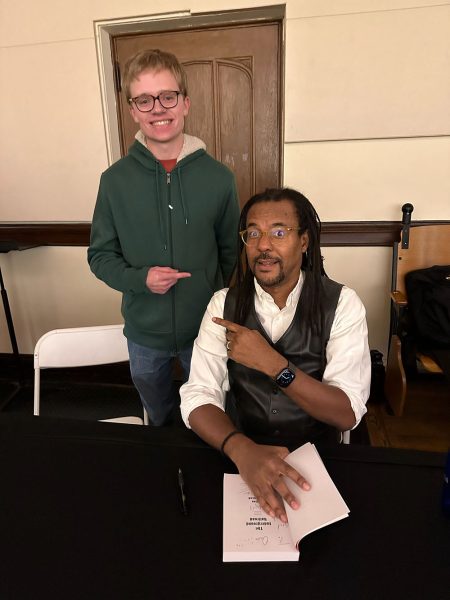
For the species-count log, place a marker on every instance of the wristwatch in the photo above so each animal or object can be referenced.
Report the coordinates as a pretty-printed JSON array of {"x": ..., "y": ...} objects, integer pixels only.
[{"x": 286, "y": 376}]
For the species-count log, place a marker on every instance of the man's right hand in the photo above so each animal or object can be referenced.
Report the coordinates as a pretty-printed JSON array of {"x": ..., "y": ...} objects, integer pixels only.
[
  {"x": 161, "y": 279},
  {"x": 262, "y": 468}
]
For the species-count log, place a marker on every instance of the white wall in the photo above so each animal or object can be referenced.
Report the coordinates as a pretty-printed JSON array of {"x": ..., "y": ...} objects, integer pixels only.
[{"x": 367, "y": 128}]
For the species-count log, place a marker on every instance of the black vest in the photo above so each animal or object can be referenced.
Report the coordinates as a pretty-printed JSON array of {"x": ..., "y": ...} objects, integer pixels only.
[{"x": 255, "y": 403}]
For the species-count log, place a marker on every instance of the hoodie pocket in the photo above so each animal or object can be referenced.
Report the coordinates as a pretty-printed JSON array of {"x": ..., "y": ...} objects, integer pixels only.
[{"x": 148, "y": 313}]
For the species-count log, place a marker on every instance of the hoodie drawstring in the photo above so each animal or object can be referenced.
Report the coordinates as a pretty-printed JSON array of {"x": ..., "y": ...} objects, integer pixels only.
[
  {"x": 162, "y": 224},
  {"x": 183, "y": 206}
]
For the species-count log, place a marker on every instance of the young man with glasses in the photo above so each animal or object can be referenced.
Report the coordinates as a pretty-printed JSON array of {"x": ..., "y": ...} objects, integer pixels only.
[
  {"x": 282, "y": 356},
  {"x": 163, "y": 229}
]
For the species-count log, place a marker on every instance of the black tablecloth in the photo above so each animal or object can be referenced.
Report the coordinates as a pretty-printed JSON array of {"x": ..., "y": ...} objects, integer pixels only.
[{"x": 92, "y": 511}]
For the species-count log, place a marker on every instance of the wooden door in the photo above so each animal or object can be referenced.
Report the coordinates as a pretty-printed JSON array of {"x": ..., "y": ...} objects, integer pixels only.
[{"x": 234, "y": 82}]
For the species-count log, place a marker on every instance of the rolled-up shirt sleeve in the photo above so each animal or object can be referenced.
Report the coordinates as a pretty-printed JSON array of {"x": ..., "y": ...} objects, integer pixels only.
[
  {"x": 348, "y": 355},
  {"x": 208, "y": 379}
]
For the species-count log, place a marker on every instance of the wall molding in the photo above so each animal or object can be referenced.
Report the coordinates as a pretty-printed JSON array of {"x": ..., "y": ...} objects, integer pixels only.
[{"x": 20, "y": 236}]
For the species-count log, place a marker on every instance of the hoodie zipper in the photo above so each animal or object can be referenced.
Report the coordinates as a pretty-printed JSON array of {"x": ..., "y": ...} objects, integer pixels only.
[{"x": 172, "y": 291}]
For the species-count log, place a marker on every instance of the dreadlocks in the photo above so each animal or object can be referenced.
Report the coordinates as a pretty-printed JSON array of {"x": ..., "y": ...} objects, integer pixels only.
[{"x": 312, "y": 260}]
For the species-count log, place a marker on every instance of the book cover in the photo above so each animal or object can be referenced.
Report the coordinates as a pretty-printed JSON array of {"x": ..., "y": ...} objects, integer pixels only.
[{"x": 249, "y": 534}]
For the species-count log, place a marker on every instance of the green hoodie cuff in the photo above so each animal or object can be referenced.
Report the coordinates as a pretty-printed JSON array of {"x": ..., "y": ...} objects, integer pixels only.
[{"x": 136, "y": 280}]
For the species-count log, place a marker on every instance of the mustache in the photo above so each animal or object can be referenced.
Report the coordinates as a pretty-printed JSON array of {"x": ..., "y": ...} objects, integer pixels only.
[{"x": 265, "y": 256}]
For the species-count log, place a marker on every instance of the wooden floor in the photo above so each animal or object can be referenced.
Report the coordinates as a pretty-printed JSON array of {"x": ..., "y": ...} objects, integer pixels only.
[{"x": 425, "y": 424}]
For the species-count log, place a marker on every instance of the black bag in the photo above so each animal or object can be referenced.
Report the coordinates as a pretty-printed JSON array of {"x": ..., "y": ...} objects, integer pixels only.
[{"x": 428, "y": 292}]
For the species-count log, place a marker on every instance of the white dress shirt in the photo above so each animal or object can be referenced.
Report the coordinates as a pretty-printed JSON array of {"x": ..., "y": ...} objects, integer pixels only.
[{"x": 348, "y": 358}]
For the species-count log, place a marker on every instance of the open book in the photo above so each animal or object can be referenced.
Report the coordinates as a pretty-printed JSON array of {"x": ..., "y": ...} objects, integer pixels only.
[{"x": 249, "y": 534}]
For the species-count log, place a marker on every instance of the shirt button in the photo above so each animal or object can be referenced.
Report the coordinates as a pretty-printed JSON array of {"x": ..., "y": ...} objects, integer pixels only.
[
  {"x": 274, "y": 411},
  {"x": 275, "y": 391}
]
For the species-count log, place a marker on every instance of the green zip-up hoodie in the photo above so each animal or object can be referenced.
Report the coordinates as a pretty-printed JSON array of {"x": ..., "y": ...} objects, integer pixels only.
[{"x": 186, "y": 220}]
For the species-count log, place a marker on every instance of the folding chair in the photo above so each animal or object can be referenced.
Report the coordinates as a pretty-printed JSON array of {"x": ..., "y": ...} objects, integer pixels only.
[
  {"x": 421, "y": 246},
  {"x": 80, "y": 347}
]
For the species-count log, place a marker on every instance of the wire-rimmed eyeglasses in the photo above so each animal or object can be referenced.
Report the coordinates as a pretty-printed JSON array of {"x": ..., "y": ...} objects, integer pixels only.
[
  {"x": 146, "y": 102},
  {"x": 278, "y": 234}
]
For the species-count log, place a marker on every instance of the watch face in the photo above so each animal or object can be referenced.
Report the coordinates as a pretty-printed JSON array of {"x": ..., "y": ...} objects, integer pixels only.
[{"x": 285, "y": 378}]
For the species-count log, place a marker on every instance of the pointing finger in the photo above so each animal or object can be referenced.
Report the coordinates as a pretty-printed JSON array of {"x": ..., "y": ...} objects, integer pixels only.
[{"x": 233, "y": 327}]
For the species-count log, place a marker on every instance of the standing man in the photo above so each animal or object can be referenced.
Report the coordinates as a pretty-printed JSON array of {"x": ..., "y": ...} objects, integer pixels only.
[
  {"x": 163, "y": 229},
  {"x": 281, "y": 355}
]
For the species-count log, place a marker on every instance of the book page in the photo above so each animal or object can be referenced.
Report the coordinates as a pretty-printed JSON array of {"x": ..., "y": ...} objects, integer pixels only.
[
  {"x": 249, "y": 534},
  {"x": 322, "y": 504}
]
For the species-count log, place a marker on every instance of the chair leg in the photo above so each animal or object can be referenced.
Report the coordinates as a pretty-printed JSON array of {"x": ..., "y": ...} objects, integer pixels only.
[
  {"x": 37, "y": 390},
  {"x": 395, "y": 382}
]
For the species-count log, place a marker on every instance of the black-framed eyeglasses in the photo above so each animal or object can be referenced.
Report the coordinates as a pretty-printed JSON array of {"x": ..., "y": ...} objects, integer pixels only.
[
  {"x": 146, "y": 102},
  {"x": 252, "y": 235}
]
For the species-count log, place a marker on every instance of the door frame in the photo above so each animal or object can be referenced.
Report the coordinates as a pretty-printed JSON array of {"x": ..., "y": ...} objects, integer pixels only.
[{"x": 106, "y": 30}]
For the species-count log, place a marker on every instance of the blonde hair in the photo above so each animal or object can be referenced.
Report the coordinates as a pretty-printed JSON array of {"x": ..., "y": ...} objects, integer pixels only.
[{"x": 152, "y": 60}]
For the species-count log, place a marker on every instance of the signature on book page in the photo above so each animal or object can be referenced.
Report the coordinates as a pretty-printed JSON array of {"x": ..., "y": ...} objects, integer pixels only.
[{"x": 260, "y": 528}]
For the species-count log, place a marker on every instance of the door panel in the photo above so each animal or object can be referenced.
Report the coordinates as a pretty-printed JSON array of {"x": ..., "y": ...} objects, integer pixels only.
[
  {"x": 235, "y": 116},
  {"x": 234, "y": 76},
  {"x": 200, "y": 120}
]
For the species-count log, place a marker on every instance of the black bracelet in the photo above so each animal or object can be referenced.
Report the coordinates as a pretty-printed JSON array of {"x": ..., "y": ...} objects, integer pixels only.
[{"x": 227, "y": 437}]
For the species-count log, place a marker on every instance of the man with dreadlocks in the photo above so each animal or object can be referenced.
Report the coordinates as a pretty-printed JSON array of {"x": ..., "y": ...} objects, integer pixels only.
[{"x": 281, "y": 356}]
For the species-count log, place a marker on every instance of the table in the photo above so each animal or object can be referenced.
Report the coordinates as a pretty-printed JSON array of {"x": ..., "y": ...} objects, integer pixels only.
[{"x": 92, "y": 511}]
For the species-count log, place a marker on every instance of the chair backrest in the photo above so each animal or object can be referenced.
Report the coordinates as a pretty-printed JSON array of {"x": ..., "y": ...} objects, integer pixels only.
[
  {"x": 81, "y": 346},
  {"x": 78, "y": 347},
  {"x": 429, "y": 245}
]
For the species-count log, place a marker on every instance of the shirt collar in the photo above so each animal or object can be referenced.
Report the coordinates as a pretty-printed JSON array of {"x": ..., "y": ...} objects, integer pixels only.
[{"x": 291, "y": 299}]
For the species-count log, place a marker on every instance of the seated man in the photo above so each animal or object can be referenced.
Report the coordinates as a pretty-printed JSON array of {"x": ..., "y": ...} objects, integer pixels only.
[{"x": 282, "y": 355}]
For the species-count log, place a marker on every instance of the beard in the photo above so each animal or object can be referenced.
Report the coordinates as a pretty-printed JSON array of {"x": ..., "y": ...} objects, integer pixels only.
[{"x": 270, "y": 280}]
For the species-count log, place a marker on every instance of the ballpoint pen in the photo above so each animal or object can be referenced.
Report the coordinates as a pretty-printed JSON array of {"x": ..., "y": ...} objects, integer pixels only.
[{"x": 182, "y": 492}]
